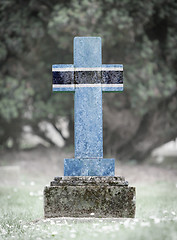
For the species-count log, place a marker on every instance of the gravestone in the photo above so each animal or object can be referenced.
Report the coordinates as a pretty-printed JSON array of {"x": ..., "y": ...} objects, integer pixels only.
[{"x": 89, "y": 187}]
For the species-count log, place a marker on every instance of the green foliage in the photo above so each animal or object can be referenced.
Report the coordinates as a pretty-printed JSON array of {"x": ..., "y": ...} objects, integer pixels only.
[
  {"x": 36, "y": 34},
  {"x": 15, "y": 96}
]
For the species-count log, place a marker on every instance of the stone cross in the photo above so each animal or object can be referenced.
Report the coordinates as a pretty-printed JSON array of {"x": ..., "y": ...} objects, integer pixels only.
[{"x": 88, "y": 78}]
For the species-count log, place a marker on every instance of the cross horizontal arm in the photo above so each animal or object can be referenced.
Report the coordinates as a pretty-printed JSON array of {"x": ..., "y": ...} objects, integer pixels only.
[{"x": 108, "y": 77}]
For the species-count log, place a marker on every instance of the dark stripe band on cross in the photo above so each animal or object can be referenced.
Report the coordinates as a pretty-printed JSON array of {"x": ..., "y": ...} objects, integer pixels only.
[{"x": 106, "y": 77}]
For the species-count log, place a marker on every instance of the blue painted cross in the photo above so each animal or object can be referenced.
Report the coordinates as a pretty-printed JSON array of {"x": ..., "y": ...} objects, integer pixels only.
[{"x": 88, "y": 78}]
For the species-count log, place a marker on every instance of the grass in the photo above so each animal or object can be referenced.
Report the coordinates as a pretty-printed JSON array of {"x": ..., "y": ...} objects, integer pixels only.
[
  {"x": 21, "y": 216},
  {"x": 21, "y": 207}
]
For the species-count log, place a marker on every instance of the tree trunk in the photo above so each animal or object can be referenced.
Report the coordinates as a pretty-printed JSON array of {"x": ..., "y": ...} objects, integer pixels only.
[{"x": 136, "y": 141}]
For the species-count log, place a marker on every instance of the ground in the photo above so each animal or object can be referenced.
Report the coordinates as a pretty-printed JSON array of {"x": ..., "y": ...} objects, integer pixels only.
[{"x": 24, "y": 174}]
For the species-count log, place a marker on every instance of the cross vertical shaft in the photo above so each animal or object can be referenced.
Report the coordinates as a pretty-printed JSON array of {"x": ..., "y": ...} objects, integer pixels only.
[{"x": 88, "y": 101}]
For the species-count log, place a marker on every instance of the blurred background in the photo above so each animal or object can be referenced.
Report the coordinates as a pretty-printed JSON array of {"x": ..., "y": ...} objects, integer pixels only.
[
  {"x": 139, "y": 34},
  {"x": 36, "y": 124}
]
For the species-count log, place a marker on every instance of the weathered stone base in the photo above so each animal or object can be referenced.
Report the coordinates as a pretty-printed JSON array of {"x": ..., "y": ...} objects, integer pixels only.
[{"x": 89, "y": 197}]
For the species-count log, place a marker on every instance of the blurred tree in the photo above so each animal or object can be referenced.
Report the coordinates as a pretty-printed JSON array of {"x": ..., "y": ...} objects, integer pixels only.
[{"x": 139, "y": 34}]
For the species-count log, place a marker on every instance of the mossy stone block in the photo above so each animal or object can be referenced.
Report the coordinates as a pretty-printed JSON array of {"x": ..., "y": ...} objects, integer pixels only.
[{"x": 89, "y": 197}]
